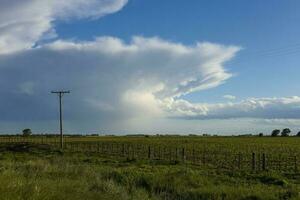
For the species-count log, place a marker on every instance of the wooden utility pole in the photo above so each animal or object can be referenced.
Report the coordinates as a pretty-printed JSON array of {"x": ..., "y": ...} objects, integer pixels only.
[{"x": 60, "y": 94}]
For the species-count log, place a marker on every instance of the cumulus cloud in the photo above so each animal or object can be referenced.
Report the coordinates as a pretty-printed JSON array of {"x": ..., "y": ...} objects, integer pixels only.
[
  {"x": 110, "y": 78},
  {"x": 24, "y": 22},
  {"x": 111, "y": 81},
  {"x": 265, "y": 108},
  {"x": 144, "y": 78},
  {"x": 283, "y": 123},
  {"x": 229, "y": 97},
  {"x": 115, "y": 80}
]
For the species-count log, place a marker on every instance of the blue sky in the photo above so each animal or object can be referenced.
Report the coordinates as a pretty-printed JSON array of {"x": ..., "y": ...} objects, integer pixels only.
[{"x": 151, "y": 66}]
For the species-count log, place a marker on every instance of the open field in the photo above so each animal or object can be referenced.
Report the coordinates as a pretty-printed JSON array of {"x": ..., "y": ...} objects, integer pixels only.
[
  {"x": 232, "y": 153},
  {"x": 34, "y": 171},
  {"x": 152, "y": 167}
]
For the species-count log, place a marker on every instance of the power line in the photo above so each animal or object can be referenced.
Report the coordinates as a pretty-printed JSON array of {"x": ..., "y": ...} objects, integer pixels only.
[{"x": 60, "y": 94}]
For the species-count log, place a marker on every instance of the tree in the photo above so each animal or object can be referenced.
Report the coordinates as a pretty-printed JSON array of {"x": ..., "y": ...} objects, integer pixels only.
[
  {"x": 275, "y": 133},
  {"x": 298, "y": 134},
  {"x": 260, "y": 134},
  {"x": 27, "y": 132},
  {"x": 285, "y": 132}
]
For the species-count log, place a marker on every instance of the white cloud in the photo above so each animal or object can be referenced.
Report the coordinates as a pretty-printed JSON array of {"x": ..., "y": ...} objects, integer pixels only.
[
  {"x": 113, "y": 83},
  {"x": 265, "y": 108},
  {"x": 145, "y": 78},
  {"x": 24, "y": 22},
  {"x": 229, "y": 97},
  {"x": 280, "y": 123},
  {"x": 112, "y": 79}
]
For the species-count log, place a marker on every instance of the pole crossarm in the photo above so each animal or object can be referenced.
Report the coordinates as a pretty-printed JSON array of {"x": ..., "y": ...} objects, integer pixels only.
[{"x": 60, "y": 94}]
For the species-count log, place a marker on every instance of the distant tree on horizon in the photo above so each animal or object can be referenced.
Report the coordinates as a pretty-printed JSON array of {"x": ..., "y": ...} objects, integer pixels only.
[
  {"x": 275, "y": 133},
  {"x": 298, "y": 134},
  {"x": 285, "y": 132},
  {"x": 260, "y": 134},
  {"x": 27, "y": 132}
]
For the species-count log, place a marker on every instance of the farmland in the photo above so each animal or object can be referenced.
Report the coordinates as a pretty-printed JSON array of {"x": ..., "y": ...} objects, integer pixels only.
[
  {"x": 156, "y": 167},
  {"x": 236, "y": 153}
]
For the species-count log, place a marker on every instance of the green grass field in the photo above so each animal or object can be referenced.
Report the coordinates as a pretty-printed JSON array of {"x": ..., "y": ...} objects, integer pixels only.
[
  {"x": 235, "y": 153},
  {"x": 41, "y": 171}
]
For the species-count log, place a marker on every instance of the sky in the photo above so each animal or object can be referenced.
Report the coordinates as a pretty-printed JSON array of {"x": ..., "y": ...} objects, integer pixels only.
[{"x": 141, "y": 66}]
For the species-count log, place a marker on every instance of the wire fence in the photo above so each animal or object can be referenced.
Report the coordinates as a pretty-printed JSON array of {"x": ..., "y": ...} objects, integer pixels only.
[{"x": 202, "y": 157}]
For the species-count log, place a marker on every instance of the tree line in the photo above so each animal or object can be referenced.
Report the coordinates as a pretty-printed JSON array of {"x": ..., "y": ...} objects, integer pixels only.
[
  {"x": 276, "y": 132},
  {"x": 283, "y": 133}
]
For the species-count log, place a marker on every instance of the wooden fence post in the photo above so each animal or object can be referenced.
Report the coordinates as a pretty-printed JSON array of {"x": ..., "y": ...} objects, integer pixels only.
[
  {"x": 194, "y": 158},
  {"x": 127, "y": 151},
  {"x": 253, "y": 161},
  {"x": 239, "y": 161},
  {"x": 183, "y": 154},
  {"x": 159, "y": 153},
  {"x": 263, "y": 161},
  {"x": 123, "y": 150},
  {"x": 133, "y": 151},
  {"x": 149, "y": 152},
  {"x": 295, "y": 164}
]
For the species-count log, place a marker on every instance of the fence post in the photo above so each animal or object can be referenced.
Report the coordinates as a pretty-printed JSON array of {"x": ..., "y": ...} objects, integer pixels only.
[
  {"x": 239, "y": 161},
  {"x": 194, "y": 158},
  {"x": 183, "y": 154},
  {"x": 123, "y": 150},
  {"x": 295, "y": 163},
  {"x": 159, "y": 153},
  {"x": 253, "y": 161},
  {"x": 128, "y": 151},
  {"x": 133, "y": 152},
  {"x": 263, "y": 161},
  {"x": 149, "y": 152}
]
